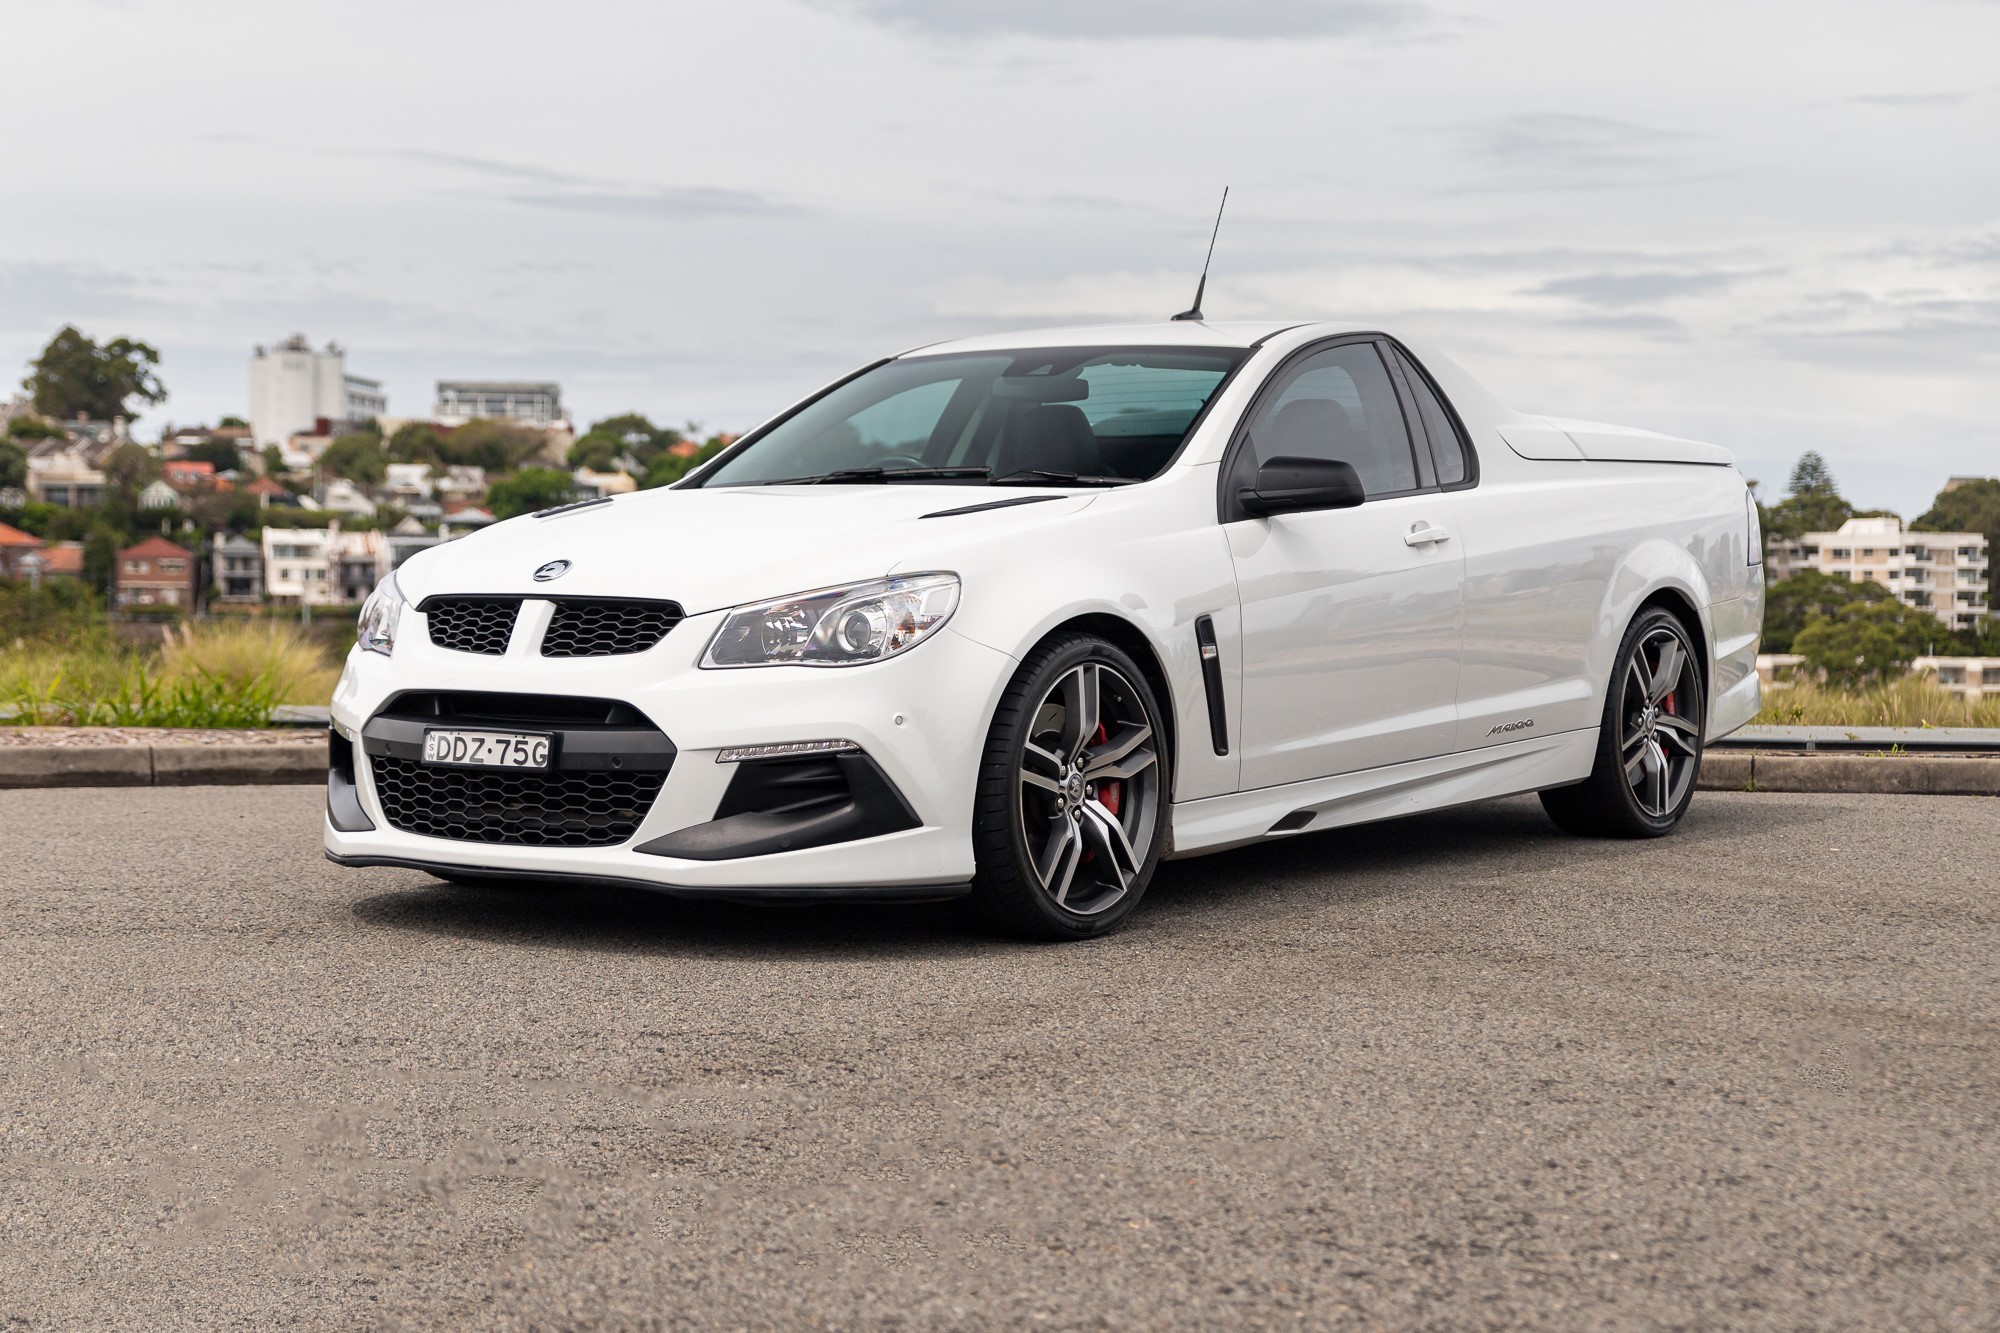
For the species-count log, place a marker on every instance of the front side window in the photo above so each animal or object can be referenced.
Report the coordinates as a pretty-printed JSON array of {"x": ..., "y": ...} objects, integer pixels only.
[
  {"x": 1093, "y": 415},
  {"x": 1339, "y": 404}
]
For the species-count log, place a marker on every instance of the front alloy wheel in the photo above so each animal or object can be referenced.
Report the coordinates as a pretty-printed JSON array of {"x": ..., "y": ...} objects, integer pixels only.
[{"x": 1069, "y": 818}]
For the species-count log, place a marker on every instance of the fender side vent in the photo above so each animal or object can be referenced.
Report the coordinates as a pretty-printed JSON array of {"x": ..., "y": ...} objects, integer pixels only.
[
  {"x": 1293, "y": 822},
  {"x": 1211, "y": 683}
]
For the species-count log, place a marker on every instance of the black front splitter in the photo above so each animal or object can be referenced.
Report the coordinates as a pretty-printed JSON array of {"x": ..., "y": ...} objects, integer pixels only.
[{"x": 902, "y": 893}]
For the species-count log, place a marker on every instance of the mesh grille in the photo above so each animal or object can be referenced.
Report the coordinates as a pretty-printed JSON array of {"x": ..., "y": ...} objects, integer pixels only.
[
  {"x": 607, "y": 629},
  {"x": 555, "y": 809},
  {"x": 472, "y": 624}
]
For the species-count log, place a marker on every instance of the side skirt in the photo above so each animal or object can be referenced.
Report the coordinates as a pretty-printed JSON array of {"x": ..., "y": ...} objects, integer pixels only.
[{"x": 1218, "y": 822}]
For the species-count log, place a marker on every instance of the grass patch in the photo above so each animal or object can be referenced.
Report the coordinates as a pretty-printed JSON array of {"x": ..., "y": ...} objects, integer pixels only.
[
  {"x": 226, "y": 675},
  {"x": 1913, "y": 701}
]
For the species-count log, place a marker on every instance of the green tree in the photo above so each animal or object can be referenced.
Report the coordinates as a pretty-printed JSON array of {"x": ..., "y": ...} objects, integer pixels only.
[
  {"x": 1811, "y": 476},
  {"x": 1970, "y": 506},
  {"x": 357, "y": 456},
  {"x": 232, "y": 423},
  {"x": 1793, "y": 603},
  {"x": 131, "y": 467},
  {"x": 597, "y": 452},
  {"x": 497, "y": 446},
  {"x": 274, "y": 461},
  {"x": 417, "y": 442},
  {"x": 1812, "y": 502},
  {"x": 1872, "y": 640},
  {"x": 671, "y": 467},
  {"x": 528, "y": 490},
  {"x": 100, "y": 554},
  {"x": 74, "y": 375},
  {"x": 13, "y": 465},
  {"x": 32, "y": 428},
  {"x": 223, "y": 454}
]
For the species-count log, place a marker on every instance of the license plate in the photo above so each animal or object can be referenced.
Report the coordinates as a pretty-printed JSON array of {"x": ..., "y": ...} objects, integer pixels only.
[{"x": 486, "y": 749}]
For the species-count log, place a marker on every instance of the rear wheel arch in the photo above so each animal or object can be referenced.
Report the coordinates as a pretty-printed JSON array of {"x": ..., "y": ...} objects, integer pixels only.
[{"x": 1681, "y": 607}]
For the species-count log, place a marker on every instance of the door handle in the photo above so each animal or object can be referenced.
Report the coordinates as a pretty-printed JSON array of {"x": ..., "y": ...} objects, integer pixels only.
[{"x": 1424, "y": 534}]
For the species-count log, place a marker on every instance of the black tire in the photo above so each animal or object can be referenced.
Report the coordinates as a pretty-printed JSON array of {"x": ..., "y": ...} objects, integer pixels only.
[
  {"x": 1628, "y": 794},
  {"x": 1089, "y": 891}
]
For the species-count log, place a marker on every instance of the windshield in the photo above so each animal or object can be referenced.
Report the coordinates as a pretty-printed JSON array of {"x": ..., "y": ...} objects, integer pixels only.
[{"x": 1051, "y": 416}]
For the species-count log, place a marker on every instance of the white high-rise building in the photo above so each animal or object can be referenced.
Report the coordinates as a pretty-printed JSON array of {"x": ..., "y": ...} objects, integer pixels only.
[
  {"x": 293, "y": 389},
  {"x": 1944, "y": 573},
  {"x": 524, "y": 402}
]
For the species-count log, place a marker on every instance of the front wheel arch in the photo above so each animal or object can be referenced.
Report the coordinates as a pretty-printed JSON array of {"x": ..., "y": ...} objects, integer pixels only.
[{"x": 1133, "y": 640}]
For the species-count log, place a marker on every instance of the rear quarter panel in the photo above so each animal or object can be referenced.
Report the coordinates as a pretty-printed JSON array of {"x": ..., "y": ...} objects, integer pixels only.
[{"x": 1559, "y": 558}]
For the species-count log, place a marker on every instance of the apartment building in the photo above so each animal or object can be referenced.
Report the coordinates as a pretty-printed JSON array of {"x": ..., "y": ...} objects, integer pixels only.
[
  {"x": 523, "y": 402},
  {"x": 1944, "y": 573},
  {"x": 1973, "y": 678},
  {"x": 296, "y": 389}
]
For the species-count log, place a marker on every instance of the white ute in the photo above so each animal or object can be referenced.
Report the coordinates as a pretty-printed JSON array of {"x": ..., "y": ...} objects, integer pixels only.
[{"x": 1018, "y": 616}]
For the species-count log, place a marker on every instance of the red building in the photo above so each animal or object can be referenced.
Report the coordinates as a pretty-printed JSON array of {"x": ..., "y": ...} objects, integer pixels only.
[{"x": 156, "y": 573}]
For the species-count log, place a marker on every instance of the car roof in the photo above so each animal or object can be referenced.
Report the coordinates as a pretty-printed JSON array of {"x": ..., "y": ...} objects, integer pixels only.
[{"x": 1166, "y": 333}]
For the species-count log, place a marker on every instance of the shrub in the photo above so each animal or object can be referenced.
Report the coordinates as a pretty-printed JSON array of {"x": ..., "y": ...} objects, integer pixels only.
[
  {"x": 1911, "y": 701},
  {"x": 242, "y": 653}
]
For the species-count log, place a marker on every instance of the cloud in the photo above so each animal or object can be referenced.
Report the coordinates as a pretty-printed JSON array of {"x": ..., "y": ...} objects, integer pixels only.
[
  {"x": 1617, "y": 290},
  {"x": 1119, "y": 20},
  {"x": 1558, "y": 149},
  {"x": 605, "y": 198},
  {"x": 36, "y": 295},
  {"x": 1909, "y": 99},
  {"x": 484, "y": 166},
  {"x": 684, "y": 204}
]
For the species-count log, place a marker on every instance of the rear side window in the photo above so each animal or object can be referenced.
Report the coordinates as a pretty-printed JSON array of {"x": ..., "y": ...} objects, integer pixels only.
[
  {"x": 1339, "y": 404},
  {"x": 1447, "y": 445}
]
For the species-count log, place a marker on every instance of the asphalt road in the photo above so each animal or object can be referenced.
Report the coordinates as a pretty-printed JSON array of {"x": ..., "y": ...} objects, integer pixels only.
[{"x": 1456, "y": 1071}]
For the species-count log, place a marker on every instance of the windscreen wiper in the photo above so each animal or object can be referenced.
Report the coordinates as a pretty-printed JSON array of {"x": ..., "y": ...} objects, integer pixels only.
[
  {"x": 892, "y": 474},
  {"x": 1032, "y": 476}
]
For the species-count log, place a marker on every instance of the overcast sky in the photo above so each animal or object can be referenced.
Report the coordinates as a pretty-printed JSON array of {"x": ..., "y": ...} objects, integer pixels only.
[{"x": 1775, "y": 225}]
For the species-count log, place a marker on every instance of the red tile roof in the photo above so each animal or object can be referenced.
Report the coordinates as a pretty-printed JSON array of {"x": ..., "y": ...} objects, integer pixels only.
[
  {"x": 154, "y": 548},
  {"x": 63, "y": 558},
  {"x": 16, "y": 537}
]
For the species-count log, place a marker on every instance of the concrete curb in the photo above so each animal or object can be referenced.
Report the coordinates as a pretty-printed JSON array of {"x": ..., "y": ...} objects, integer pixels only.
[
  {"x": 160, "y": 765},
  {"x": 1853, "y": 774}
]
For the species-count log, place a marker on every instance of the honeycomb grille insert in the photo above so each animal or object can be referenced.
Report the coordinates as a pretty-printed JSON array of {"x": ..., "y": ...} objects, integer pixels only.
[
  {"x": 553, "y": 809},
  {"x": 472, "y": 624},
  {"x": 607, "y": 629}
]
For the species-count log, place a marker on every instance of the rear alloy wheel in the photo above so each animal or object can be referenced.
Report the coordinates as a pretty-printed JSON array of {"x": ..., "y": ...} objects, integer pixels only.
[
  {"x": 1649, "y": 745},
  {"x": 1069, "y": 820}
]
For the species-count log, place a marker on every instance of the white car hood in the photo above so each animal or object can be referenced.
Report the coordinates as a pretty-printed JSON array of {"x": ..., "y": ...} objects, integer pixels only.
[{"x": 708, "y": 549}]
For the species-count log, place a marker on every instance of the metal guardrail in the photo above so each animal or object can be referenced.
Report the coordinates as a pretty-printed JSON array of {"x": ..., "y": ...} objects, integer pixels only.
[{"x": 1911, "y": 740}]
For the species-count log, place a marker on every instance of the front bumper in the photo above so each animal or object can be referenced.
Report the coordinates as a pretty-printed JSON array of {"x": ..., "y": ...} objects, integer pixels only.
[{"x": 921, "y": 719}]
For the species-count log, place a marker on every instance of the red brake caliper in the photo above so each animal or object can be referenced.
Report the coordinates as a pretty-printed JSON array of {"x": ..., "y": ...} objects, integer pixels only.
[{"x": 1110, "y": 793}]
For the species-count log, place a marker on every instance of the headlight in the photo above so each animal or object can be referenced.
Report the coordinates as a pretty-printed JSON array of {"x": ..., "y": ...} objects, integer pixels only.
[
  {"x": 376, "y": 630},
  {"x": 845, "y": 626}
]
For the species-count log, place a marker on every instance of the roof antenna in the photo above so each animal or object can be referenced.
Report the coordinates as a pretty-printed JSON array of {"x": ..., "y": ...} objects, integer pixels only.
[{"x": 1202, "y": 286}]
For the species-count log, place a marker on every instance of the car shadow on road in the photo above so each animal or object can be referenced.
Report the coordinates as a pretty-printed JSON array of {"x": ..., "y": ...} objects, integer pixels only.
[{"x": 1470, "y": 844}]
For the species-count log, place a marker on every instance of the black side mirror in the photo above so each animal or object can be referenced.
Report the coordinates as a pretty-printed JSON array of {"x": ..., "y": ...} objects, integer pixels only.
[{"x": 1290, "y": 485}]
